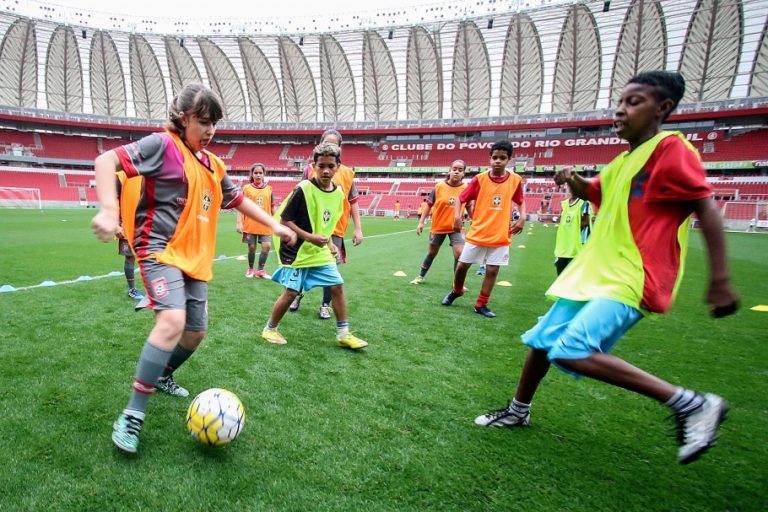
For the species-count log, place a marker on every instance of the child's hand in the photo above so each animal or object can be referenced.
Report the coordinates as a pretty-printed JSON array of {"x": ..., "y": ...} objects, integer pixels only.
[
  {"x": 105, "y": 225},
  {"x": 517, "y": 226},
  {"x": 318, "y": 240},
  {"x": 286, "y": 235},
  {"x": 419, "y": 229},
  {"x": 724, "y": 300},
  {"x": 239, "y": 228},
  {"x": 357, "y": 237},
  {"x": 334, "y": 249}
]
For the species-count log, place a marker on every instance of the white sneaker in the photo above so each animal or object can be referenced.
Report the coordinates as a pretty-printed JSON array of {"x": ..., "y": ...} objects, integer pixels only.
[
  {"x": 504, "y": 417},
  {"x": 697, "y": 430}
]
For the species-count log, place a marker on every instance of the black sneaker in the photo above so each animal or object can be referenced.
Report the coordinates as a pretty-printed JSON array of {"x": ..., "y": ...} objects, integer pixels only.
[
  {"x": 697, "y": 430},
  {"x": 504, "y": 417},
  {"x": 448, "y": 299},
  {"x": 483, "y": 310}
]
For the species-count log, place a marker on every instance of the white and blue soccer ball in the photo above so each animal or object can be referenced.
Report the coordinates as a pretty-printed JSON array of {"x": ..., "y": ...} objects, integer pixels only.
[{"x": 215, "y": 417}]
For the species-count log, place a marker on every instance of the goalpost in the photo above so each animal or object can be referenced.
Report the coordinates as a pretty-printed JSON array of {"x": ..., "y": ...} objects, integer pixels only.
[{"x": 16, "y": 197}]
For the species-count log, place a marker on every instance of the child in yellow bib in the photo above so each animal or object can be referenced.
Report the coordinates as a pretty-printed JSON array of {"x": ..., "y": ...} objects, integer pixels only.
[{"x": 632, "y": 265}]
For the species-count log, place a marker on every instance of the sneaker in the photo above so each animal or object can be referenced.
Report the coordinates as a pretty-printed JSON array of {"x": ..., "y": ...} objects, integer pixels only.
[
  {"x": 261, "y": 274},
  {"x": 273, "y": 336},
  {"x": 448, "y": 299},
  {"x": 296, "y": 304},
  {"x": 249, "y": 273},
  {"x": 135, "y": 294},
  {"x": 418, "y": 280},
  {"x": 351, "y": 342},
  {"x": 125, "y": 432},
  {"x": 483, "y": 310},
  {"x": 325, "y": 312},
  {"x": 697, "y": 430},
  {"x": 168, "y": 385},
  {"x": 504, "y": 418},
  {"x": 481, "y": 271}
]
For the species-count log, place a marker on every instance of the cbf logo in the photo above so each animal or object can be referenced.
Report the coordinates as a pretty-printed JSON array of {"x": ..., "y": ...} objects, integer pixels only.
[
  {"x": 451, "y": 201},
  {"x": 567, "y": 219},
  {"x": 326, "y": 216},
  {"x": 207, "y": 200},
  {"x": 496, "y": 201},
  {"x": 260, "y": 201}
]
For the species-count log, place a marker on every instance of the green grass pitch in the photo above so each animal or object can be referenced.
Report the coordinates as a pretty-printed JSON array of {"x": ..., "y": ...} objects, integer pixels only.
[{"x": 386, "y": 429}]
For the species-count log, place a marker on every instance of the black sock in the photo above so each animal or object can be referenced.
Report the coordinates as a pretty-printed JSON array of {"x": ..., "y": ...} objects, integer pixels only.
[
  {"x": 326, "y": 295},
  {"x": 129, "y": 276},
  {"x": 262, "y": 259},
  {"x": 178, "y": 356},
  {"x": 426, "y": 264},
  {"x": 251, "y": 259}
]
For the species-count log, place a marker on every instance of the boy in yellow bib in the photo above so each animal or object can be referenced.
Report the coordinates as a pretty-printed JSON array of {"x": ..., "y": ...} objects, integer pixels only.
[
  {"x": 572, "y": 231},
  {"x": 632, "y": 265}
]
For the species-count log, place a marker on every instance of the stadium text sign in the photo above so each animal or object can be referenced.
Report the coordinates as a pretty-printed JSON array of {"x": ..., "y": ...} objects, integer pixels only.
[{"x": 528, "y": 143}]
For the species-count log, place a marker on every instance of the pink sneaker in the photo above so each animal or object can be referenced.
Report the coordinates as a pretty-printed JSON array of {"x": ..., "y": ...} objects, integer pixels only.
[
  {"x": 249, "y": 274},
  {"x": 261, "y": 274}
]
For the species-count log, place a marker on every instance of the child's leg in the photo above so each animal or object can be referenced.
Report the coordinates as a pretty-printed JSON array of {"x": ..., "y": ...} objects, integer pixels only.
[
  {"x": 612, "y": 370},
  {"x": 432, "y": 251},
  {"x": 491, "y": 272},
  {"x": 281, "y": 306},
  {"x": 251, "y": 254},
  {"x": 460, "y": 276},
  {"x": 339, "y": 303},
  {"x": 534, "y": 370},
  {"x": 265, "y": 247},
  {"x": 128, "y": 269}
]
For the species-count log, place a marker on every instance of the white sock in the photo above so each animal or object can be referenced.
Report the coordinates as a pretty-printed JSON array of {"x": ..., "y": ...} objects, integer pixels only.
[{"x": 519, "y": 407}]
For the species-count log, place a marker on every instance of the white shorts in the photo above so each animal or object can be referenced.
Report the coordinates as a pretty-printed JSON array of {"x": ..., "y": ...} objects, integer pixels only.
[{"x": 498, "y": 256}]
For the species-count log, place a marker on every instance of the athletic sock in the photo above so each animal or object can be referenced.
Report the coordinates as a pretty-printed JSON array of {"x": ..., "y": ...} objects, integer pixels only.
[
  {"x": 684, "y": 401},
  {"x": 262, "y": 259},
  {"x": 425, "y": 265},
  {"x": 270, "y": 325},
  {"x": 326, "y": 296},
  {"x": 342, "y": 328},
  {"x": 178, "y": 357},
  {"x": 152, "y": 362},
  {"x": 519, "y": 408},
  {"x": 482, "y": 300},
  {"x": 251, "y": 259},
  {"x": 129, "y": 276}
]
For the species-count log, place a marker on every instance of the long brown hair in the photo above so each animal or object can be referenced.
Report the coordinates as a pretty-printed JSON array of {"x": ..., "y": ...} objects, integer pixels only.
[{"x": 194, "y": 99}]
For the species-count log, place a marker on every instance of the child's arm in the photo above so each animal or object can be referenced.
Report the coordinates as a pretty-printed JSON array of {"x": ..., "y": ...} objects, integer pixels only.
[
  {"x": 517, "y": 226},
  {"x": 723, "y": 299},
  {"x": 315, "y": 239},
  {"x": 239, "y": 225},
  {"x": 423, "y": 219},
  {"x": 576, "y": 183},
  {"x": 357, "y": 236},
  {"x": 106, "y": 223},
  {"x": 250, "y": 209}
]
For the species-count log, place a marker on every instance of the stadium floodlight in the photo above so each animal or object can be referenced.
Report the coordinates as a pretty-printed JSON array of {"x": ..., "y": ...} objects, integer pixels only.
[{"x": 16, "y": 197}]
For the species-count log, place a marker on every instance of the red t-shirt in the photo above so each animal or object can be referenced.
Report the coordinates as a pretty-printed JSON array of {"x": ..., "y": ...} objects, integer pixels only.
[{"x": 660, "y": 199}]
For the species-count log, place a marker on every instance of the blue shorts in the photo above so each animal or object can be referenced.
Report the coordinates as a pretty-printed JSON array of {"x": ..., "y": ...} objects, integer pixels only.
[
  {"x": 576, "y": 330},
  {"x": 307, "y": 278}
]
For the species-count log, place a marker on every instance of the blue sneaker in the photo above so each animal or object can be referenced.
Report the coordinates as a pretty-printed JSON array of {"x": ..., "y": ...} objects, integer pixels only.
[
  {"x": 481, "y": 271},
  {"x": 125, "y": 432},
  {"x": 135, "y": 294}
]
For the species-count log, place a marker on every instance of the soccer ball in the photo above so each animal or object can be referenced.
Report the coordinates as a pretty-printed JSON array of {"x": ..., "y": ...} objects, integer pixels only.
[{"x": 215, "y": 417}]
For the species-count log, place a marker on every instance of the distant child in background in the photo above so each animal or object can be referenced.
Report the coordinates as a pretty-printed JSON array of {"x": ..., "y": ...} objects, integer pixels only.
[
  {"x": 632, "y": 266},
  {"x": 396, "y": 210},
  {"x": 572, "y": 231},
  {"x": 173, "y": 234},
  {"x": 130, "y": 190},
  {"x": 345, "y": 180},
  {"x": 255, "y": 232},
  {"x": 490, "y": 235},
  {"x": 441, "y": 203},
  {"x": 312, "y": 211}
]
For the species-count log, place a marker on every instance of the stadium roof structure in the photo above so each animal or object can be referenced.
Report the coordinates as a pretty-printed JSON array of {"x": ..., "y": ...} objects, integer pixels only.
[{"x": 505, "y": 59}]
